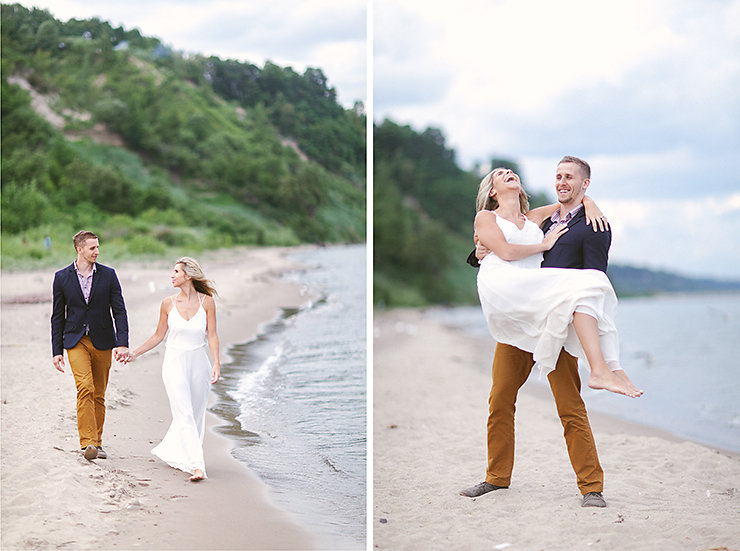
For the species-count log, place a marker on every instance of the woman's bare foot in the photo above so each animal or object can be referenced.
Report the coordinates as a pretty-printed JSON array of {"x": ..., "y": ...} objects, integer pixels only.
[
  {"x": 623, "y": 375},
  {"x": 197, "y": 476},
  {"x": 613, "y": 382}
]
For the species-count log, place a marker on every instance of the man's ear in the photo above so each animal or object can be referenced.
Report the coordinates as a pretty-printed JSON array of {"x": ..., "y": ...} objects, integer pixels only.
[{"x": 586, "y": 183}]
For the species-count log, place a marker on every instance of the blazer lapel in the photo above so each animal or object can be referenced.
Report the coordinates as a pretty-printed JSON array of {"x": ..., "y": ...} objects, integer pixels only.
[
  {"x": 96, "y": 278},
  {"x": 580, "y": 214},
  {"x": 74, "y": 281}
]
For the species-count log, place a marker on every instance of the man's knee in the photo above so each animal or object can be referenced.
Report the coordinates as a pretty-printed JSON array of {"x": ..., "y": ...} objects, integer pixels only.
[{"x": 85, "y": 388}]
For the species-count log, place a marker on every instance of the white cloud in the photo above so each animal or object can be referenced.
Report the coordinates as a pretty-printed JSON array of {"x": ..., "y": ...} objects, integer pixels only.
[
  {"x": 404, "y": 72},
  {"x": 526, "y": 76},
  {"x": 691, "y": 237}
]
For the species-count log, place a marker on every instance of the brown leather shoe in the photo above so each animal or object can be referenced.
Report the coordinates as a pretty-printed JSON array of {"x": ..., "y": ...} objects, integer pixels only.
[
  {"x": 481, "y": 489},
  {"x": 91, "y": 452}
]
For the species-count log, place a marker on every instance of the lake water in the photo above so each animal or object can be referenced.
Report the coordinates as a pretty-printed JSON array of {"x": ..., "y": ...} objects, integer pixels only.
[
  {"x": 682, "y": 350},
  {"x": 295, "y": 400}
]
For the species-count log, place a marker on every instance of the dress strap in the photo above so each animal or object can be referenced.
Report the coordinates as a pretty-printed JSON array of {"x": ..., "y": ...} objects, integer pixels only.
[
  {"x": 201, "y": 298},
  {"x": 172, "y": 298}
]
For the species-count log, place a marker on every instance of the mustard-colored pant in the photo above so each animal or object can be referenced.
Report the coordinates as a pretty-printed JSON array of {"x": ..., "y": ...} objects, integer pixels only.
[
  {"x": 511, "y": 367},
  {"x": 90, "y": 368}
]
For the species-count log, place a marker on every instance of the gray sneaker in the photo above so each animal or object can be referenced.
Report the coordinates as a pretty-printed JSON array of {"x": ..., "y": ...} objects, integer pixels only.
[
  {"x": 593, "y": 499},
  {"x": 91, "y": 452},
  {"x": 480, "y": 489},
  {"x": 101, "y": 453}
]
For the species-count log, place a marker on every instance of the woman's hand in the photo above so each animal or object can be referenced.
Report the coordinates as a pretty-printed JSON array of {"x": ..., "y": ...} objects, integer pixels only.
[
  {"x": 553, "y": 236},
  {"x": 594, "y": 215},
  {"x": 215, "y": 373}
]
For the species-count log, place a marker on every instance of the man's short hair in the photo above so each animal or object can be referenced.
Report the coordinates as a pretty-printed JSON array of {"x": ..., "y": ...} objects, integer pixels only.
[
  {"x": 82, "y": 236},
  {"x": 580, "y": 162}
]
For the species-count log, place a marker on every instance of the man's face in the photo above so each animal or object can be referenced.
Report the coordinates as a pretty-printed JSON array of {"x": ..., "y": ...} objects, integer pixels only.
[
  {"x": 89, "y": 250},
  {"x": 570, "y": 185}
]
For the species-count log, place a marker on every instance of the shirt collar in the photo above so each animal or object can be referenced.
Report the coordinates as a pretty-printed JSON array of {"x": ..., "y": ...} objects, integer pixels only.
[
  {"x": 94, "y": 267},
  {"x": 556, "y": 215}
]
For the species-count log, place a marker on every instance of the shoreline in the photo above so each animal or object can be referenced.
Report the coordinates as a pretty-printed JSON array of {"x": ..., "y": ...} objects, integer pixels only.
[
  {"x": 613, "y": 423},
  {"x": 52, "y": 497},
  {"x": 596, "y": 404},
  {"x": 431, "y": 385},
  {"x": 599, "y": 418},
  {"x": 298, "y": 371}
]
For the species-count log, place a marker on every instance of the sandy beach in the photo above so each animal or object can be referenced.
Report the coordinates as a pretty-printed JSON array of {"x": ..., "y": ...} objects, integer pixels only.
[
  {"x": 52, "y": 498},
  {"x": 430, "y": 395}
]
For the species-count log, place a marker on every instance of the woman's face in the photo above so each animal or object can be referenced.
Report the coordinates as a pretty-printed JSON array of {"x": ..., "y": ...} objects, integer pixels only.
[
  {"x": 504, "y": 178},
  {"x": 178, "y": 276}
]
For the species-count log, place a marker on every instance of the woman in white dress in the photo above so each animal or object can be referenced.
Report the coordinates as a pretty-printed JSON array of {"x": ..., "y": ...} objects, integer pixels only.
[
  {"x": 542, "y": 310},
  {"x": 190, "y": 317}
]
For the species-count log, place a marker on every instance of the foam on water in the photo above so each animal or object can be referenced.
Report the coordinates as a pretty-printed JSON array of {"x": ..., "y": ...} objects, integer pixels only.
[{"x": 295, "y": 399}]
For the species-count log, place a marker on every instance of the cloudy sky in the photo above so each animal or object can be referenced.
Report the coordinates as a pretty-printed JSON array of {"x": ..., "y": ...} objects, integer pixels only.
[
  {"x": 645, "y": 90},
  {"x": 648, "y": 91},
  {"x": 329, "y": 34}
]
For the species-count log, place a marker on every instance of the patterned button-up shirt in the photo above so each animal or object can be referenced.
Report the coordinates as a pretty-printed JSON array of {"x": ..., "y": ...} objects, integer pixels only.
[
  {"x": 556, "y": 220},
  {"x": 85, "y": 281}
]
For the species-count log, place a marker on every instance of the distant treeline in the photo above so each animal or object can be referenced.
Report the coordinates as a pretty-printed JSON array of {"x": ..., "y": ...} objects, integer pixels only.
[
  {"x": 424, "y": 206},
  {"x": 632, "y": 281},
  {"x": 156, "y": 149}
]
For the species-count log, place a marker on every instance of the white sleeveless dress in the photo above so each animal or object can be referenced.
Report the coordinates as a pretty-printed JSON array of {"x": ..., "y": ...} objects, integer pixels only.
[
  {"x": 532, "y": 308},
  {"x": 186, "y": 372}
]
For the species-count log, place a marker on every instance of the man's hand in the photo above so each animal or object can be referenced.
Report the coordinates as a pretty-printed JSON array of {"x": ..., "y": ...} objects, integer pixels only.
[
  {"x": 481, "y": 251},
  {"x": 58, "y": 362}
]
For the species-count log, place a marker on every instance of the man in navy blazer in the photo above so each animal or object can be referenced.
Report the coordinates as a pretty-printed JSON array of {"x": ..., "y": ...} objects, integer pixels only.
[
  {"x": 89, "y": 320},
  {"x": 581, "y": 247}
]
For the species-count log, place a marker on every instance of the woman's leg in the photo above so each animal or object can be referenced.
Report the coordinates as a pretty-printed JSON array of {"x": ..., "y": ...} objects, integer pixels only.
[{"x": 601, "y": 377}]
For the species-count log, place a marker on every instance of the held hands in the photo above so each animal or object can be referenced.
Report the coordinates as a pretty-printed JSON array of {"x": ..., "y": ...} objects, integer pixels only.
[
  {"x": 122, "y": 355},
  {"x": 553, "y": 236}
]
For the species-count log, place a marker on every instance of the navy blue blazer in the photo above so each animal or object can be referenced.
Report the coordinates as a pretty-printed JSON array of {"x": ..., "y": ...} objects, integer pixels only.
[
  {"x": 70, "y": 313},
  {"x": 580, "y": 247}
]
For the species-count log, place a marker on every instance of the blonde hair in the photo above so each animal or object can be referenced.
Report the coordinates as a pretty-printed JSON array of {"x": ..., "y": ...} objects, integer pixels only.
[
  {"x": 193, "y": 270},
  {"x": 484, "y": 201}
]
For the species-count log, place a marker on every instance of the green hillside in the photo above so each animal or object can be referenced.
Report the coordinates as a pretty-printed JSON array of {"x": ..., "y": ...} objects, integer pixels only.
[{"x": 108, "y": 130}]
